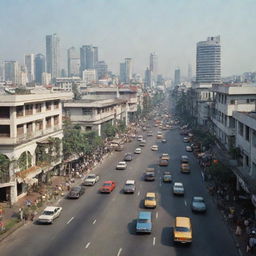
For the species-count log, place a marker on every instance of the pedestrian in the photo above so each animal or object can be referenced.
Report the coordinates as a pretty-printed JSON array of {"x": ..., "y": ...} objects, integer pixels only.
[{"x": 238, "y": 228}]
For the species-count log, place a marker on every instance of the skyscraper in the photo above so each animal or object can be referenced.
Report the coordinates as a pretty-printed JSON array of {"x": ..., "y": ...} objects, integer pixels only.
[
  {"x": 208, "y": 61},
  {"x": 148, "y": 78},
  {"x": 39, "y": 67},
  {"x": 153, "y": 64},
  {"x": 12, "y": 71},
  {"x": 126, "y": 70},
  {"x": 102, "y": 69},
  {"x": 53, "y": 55},
  {"x": 73, "y": 62},
  {"x": 88, "y": 57},
  {"x": 30, "y": 66},
  {"x": 177, "y": 76},
  {"x": 189, "y": 72},
  {"x": 122, "y": 72}
]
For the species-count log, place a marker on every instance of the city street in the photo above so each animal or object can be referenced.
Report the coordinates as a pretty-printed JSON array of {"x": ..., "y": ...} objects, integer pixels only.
[{"x": 104, "y": 224}]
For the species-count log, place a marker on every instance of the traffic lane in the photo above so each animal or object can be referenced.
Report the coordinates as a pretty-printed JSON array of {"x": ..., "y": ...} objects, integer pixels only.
[{"x": 207, "y": 232}]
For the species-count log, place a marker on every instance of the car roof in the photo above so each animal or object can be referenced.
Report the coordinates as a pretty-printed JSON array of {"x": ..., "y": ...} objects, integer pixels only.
[
  {"x": 138, "y": 148},
  {"x": 198, "y": 198},
  {"x": 50, "y": 208},
  {"x": 108, "y": 181},
  {"x": 182, "y": 222},
  {"x": 144, "y": 215},
  {"x": 130, "y": 182},
  {"x": 121, "y": 162},
  {"x": 154, "y": 146},
  {"x": 184, "y": 156},
  {"x": 150, "y": 194},
  {"x": 178, "y": 184},
  {"x": 165, "y": 154},
  {"x": 167, "y": 173}
]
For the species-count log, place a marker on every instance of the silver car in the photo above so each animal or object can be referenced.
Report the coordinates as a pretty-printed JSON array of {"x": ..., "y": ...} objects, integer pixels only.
[{"x": 178, "y": 188}]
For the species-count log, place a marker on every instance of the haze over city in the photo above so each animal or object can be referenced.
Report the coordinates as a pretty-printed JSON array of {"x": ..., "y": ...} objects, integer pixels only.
[{"x": 131, "y": 28}]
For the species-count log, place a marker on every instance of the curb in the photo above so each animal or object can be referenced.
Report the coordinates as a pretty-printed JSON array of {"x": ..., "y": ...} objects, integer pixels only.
[{"x": 10, "y": 231}]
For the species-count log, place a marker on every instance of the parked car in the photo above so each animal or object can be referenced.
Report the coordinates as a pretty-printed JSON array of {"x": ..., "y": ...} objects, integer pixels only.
[
  {"x": 167, "y": 177},
  {"x": 108, "y": 186},
  {"x": 121, "y": 165},
  {"x": 49, "y": 214},
  {"x": 144, "y": 223},
  {"x": 182, "y": 231},
  {"x": 90, "y": 179},
  {"x": 163, "y": 162},
  {"x": 189, "y": 149},
  {"x": 149, "y": 174},
  {"x": 184, "y": 167},
  {"x": 128, "y": 157},
  {"x": 129, "y": 186},
  {"x": 186, "y": 139},
  {"x": 178, "y": 188},
  {"x": 150, "y": 200},
  {"x": 198, "y": 204},
  {"x": 154, "y": 148},
  {"x": 137, "y": 151},
  {"x": 76, "y": 192}
]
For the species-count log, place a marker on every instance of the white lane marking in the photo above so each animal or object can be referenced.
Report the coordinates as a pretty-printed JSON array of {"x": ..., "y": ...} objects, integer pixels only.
[
  {"x": 160, "y": 183},
  {"x": 185, "y": 202},
  {"x": 70, "y": 220},
  {"x": 138, "y": 193},
  {"x": 202, "y": 174},
  {"x": 156, "y": 215},
  {"x": 94, "y": 222},
  {"x": 119, "y": 252},
  {"x": 154, "y": 241},
  {"x": 87, "y": 245}
]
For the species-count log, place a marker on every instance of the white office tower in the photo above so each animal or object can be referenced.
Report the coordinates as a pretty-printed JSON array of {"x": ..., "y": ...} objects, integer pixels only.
[
  {"x": 128, "y": 69},
  {"x": 30, "y": 66},
  {"x": 153, "y": 64},
  {"x": 46, "y": 78},
  {"x": 12, "y": 71},
  {"x": 208, "y": 61},
  {"x": 53, "y": 55},
  {"x": 73, "y": 62},
  {"x": 89, "y": 76}
]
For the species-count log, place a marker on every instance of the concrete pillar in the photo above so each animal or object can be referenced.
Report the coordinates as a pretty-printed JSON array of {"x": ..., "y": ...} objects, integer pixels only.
[
  {"x": 99, "y": 129},
  {"x": 13, "y": 126}
]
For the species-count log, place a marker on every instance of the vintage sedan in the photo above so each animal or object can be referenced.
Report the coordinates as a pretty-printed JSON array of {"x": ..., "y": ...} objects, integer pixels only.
[
  {"x": 184, "y": 168},
  {"x": 182, "y": 232},
  {"x": 129, "y": 187},
  {"x": 144, "y": 223},
  {"x": 137, "y": 151},
  {"x": 154, "y": 148},
  {"x": 167, "y": 177},
  {"x": 108, "y": 186},
  {"x": 165, "y": 156},
  {"x": 90, "y": 179},
  {"x": 49, "y": 214},
  {"x": 198, "y": 204},
  {"x": 163, "y": 162},
  {"x": 178, "y": 188},
  {"x": 128, "y": 157},
  {"x": 76, "y": 192},
  {"x": 189, "y": 149},
  {"x": 150, "y": 200},
  {"x": 121, "y": 165}
]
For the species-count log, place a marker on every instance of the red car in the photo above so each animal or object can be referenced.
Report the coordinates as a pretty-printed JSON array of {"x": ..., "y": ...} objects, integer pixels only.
[{"x": 108, "y": 186}]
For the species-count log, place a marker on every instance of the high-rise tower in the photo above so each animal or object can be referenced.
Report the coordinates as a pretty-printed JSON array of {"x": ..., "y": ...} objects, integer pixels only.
[
  {"x": 53, "y": 55},
  {"x": 39, "y": 67},
  {"x": 30, "y": 66},
  {"x": 73, "y": 62},
  {"x": 208, "y": 61}
]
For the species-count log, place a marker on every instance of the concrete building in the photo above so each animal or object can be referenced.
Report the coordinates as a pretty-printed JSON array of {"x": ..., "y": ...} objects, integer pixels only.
[
  {"x": 93, "y": 114},
  {"x": 65, "y": 84},
  {"x": 101, "y": 69},
  {"x": 53, "y": 55},
  {"x": 88, "y": 57},
  {"x": 2, "y": 70},
  {"x": 89, "y": 76},
  {"x": 39, "y": 67},
  {"x": 227, "y": 99},
  {"x": 12, "y": 71},
  {"x": 73, "y": 62},
  {"x": 126, "y": 71},
  {"x": 153, "y": 63},
  {"x": 46, "y": 78},
  {"x": 30, "y": 66},
  {"x": 208, "y": 61},
  {"x": 148, "y": 80},
  {"x": 31, "y": 128}
]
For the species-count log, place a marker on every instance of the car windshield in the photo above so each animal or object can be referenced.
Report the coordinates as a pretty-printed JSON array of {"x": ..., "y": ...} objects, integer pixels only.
[
  {"x": 182, "y": 229},
  {"x": 143, "y": 221},
  {"x": 90, "y": 176},
  {"x": 48, "y": 213},
  {"x": 107, "y": 184},
  {"x": 150, "y": 198},
  {"x": 179, "y": 186},
  {"x": 75, "y": 189},
  {"x": 150, "y": 174},
  {"x": 129, "y": 185},
  {"x": 167, "y": 176},
  {"x": 198, "y": 199}
]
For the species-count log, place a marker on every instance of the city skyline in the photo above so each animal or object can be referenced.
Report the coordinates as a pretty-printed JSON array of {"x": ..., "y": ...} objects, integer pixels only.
[{"x": 172, "y": 35}]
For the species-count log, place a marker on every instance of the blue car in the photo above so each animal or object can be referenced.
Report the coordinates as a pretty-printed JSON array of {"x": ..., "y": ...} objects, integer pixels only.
[{"x": 144, "y": 223}]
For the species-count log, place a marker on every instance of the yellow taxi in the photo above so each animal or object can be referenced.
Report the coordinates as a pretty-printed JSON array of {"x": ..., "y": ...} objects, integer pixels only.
[
  {"x": 184, "y": 167},
  {"x": 150, "y": 200},
  {"x": 182, "y": 230}
]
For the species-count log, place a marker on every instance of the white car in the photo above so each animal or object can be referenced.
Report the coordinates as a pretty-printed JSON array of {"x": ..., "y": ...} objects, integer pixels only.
[
  {"x": 154, "y": 148},
  {"x": 91, "y": 179},
  {"x": 178, "y": 188},
  {"x": 139, "y": 138},
  {"x": 129, "y": 186},
  {"x": 49, "y": 214},
  {"x": 137, "y": 151},
  {"x": 121, "y": 165},
  {"x": 189, "y": 149}
]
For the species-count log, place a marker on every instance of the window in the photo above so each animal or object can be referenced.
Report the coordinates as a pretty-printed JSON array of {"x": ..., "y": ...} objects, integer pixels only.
[
  {"x": 38, "y": 108},
  {"x": 247, "y": 133},
  {"x": 232, "y": 102},
  {"x": 5, "y": 131},
  {"x": 28, "y": 110},
  {"x": 56, "y": 120},
  {"x": 48, "y": 122},
  {"x": 254, "y": 169},
  {"x": 4, "y": 112},
  {"x": 241, "y": 128},
  {"x": 19, "y": 111},
  {"x": 254, "y": 138},
  {"x": 98, "y": 111},
  {"x": 48, "y": 105},
  {"x": 87, "y": 111},
  {"x": 231, "y": 122},
  {"x": 56, "y": 104}
]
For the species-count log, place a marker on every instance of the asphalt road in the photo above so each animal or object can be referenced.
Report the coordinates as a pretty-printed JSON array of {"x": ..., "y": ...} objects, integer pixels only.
[{"x": 104, "y": 224}]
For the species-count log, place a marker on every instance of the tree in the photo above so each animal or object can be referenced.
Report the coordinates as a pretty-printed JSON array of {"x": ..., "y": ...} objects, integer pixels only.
[{"x": 108, "y": 130}]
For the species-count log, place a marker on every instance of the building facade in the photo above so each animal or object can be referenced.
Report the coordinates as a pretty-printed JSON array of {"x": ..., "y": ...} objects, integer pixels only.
[
  {"x": 31, "y": 128},
  {"x": 73, "y": 62},
  {"x": 39, "y": 67},
  {"x": 208, "y": 61},
  {"x": 30, "y": 67}
]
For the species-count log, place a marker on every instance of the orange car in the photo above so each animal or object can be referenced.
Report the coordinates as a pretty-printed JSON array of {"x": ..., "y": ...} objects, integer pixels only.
[{"x": 108, "y": 186}]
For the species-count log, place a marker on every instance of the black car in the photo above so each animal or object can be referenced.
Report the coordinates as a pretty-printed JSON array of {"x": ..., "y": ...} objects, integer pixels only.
[
  {"x": 128, "y": 157},
  {"x": 76, "y": 192}
]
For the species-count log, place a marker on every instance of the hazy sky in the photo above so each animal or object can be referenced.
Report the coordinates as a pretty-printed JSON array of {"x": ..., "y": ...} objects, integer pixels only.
[{"x": 133, "y": 28}]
